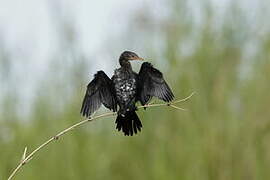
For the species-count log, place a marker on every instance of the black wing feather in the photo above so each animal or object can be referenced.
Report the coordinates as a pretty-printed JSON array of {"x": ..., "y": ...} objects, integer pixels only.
[
  {"x": 151, "y": 83},
  {"x": 99, "y": 91}
]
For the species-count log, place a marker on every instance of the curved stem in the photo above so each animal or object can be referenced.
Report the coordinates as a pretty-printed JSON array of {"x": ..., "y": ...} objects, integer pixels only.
[
  {"x": 56, "y": 137},
  {"x": 29, "y": 157}
]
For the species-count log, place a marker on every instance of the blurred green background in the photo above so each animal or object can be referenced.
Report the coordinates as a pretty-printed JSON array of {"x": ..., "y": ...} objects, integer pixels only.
[{"x": 220, "y": 49}]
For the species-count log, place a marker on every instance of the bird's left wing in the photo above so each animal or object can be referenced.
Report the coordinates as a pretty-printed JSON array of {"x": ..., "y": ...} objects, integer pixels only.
[
  {"x": 151, "y": 83},
  {"x": 99, "y": 91}
]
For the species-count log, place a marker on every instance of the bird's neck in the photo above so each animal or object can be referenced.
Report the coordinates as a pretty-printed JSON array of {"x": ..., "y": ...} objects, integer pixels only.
[{"x": 125, "y": 64}]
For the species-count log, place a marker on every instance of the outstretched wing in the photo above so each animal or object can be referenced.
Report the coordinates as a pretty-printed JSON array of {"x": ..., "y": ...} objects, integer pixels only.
[
  {"x": 99, "y": 91},
  {"x": 151, "y": 83}
]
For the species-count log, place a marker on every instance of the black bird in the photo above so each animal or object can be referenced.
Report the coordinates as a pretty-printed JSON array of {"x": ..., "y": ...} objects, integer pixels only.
[{"x": 123, "y": 90}]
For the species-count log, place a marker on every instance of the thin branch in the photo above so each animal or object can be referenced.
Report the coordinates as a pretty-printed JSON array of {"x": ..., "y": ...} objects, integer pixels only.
[
  {"x": 26, "y": 159},
  {"x": 56, "y": 137},
  {"x": 176, "y": 107},
  {"x": 171, "y": 103},
  {"x": 183, "y": 100}
]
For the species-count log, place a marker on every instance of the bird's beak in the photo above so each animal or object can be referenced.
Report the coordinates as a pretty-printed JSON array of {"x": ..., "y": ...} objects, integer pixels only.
[{"x": 138, "y": 58}]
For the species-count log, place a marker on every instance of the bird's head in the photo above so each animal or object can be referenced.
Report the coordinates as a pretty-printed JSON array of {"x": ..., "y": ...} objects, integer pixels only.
[{"x": 128, "y": 56}]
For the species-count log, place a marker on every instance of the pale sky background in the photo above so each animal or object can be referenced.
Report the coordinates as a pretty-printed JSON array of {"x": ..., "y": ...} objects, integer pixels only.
[
  {"x": 28, "y": 27},
  {"x": 29, "y": 31}
]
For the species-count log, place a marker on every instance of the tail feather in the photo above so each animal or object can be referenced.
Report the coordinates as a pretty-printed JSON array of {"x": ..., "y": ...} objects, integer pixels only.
[{"x": 130, "y": 123}]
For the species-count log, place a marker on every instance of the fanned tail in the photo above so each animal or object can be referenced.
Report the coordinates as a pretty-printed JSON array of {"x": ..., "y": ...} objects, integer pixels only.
[{"x": 130, "y": 123}]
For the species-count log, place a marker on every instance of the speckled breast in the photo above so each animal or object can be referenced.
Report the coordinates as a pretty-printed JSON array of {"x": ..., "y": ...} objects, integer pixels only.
[{"x": 125, "y": 86}]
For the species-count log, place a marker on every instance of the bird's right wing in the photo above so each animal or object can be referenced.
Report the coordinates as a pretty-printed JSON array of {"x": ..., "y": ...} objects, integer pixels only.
[
  {"x": 151, "y": 83},
  {"x": 99, "y": 91}
]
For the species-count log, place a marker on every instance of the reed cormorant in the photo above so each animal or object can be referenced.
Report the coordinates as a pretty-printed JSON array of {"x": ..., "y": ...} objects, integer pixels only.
[{"x": 123, "y": 90}]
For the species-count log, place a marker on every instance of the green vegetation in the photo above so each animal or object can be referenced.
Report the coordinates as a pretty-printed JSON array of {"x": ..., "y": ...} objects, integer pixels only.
[{"x": 224, "y": 135}]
